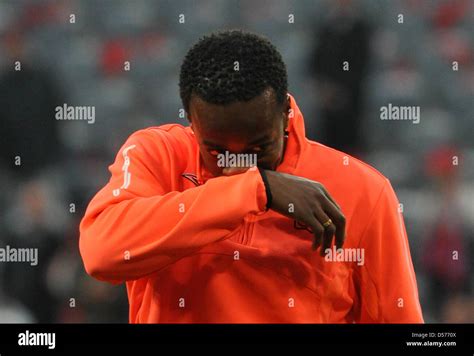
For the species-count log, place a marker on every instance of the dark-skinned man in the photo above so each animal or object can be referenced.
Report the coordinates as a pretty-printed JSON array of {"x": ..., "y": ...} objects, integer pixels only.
[{"x": 307, "y": 234}]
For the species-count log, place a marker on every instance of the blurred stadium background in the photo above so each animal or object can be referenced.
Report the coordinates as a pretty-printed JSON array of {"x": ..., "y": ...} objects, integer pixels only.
[{"x": 65, "y": 162}]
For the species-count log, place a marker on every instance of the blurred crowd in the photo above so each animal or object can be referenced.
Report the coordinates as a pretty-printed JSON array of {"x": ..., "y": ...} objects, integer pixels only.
[{"x": 73, "y": 51}]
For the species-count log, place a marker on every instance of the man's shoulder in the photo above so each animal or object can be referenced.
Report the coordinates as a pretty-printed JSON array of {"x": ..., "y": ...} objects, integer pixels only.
[
  {"x": 159, "y": 145},
  {"x": 343, "y": 168},
  {"x": 171, "y": 136},
  {"x": 166, "y": 131}
]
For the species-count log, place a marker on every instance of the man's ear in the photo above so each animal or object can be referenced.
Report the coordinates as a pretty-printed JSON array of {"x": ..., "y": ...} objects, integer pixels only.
[
  {"x": 189, "y": 120},
  {"x": 287, "y": 111}
]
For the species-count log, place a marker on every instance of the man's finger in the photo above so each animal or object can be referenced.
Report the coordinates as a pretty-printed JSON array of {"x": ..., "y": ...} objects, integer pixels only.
[
  {"x": 339, "y": 220},
  {"x": 329, "y": 230},
  {"x": 327, "y": 239},
  {"x": 318, "y": 232}
]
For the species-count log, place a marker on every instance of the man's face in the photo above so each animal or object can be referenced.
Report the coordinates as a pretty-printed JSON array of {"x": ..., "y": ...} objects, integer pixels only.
[{"x": 253, "y": 127}]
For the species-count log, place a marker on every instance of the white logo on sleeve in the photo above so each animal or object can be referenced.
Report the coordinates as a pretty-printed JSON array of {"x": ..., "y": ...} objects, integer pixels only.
[{"x": 127, "y": 176}]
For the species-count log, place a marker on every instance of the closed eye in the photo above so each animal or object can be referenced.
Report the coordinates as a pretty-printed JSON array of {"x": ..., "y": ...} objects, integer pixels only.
[
  {"x": 214, "y": 152},
  {"x": 262, "y": 147}
]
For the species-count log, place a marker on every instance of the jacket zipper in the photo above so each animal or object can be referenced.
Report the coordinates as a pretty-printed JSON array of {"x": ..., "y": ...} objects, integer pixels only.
[{"x": 245, "y": 237}]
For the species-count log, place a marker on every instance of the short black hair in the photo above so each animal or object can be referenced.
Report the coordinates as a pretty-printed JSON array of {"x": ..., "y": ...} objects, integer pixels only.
[{"x": 209, "y": 69}]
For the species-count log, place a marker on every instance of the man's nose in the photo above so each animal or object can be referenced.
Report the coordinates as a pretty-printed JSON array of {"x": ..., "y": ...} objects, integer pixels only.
[{"x": 237, "y": 147}]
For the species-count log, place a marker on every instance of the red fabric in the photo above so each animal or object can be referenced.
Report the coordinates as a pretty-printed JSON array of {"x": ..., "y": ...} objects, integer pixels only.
[{"x": 176, "y": 244}]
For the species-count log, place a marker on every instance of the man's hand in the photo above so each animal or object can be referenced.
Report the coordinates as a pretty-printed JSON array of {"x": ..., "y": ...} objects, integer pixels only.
[{"x": 312, "y": 205}]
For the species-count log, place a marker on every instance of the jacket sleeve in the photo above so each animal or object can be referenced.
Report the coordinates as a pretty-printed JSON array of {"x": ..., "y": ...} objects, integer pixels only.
[
  {"x": 137, "y": 224},
  {"x": 386, "y": 282}
]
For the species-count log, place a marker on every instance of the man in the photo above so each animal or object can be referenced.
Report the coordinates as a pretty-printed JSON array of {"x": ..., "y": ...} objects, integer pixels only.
[{"x": 201, "y": 241}]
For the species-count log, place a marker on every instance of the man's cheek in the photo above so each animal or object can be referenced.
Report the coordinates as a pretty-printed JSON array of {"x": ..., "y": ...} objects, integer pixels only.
[
  {"x": 275, "y": 156},
  {"x": 267, "y": 162},
  {"x": 212, "y": 165}
]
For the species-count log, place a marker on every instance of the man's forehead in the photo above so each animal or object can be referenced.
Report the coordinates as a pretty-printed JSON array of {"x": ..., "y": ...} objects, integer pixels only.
[
  {"x": 250, "y": 113},
  {"x": 253, "y": 139}
]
